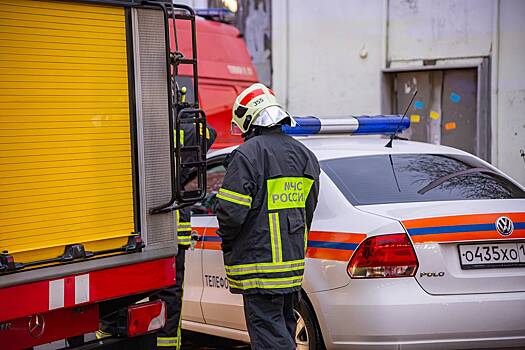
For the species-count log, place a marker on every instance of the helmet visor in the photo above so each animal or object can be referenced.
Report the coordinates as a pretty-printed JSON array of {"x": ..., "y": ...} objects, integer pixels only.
[
  {"x": 235, "y": 130},
  {"x": 272, "y": 116}
]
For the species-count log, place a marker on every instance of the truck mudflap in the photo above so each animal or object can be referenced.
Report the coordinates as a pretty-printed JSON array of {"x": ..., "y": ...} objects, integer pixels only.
[{"x": 75, "y": 292}]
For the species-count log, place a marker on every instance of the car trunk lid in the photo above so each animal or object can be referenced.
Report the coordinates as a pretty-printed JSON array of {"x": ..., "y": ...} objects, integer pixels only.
[{"x": 459, "y": 247}]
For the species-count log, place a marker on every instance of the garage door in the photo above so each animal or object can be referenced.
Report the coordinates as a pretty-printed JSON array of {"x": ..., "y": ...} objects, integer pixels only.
[{"x": 65, "y": 150}]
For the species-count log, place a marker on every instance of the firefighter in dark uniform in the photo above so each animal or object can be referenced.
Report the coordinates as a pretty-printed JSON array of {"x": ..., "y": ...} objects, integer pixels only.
[
  {"x": 265, "y": 208},
  {"x": 169, "y": 337}
]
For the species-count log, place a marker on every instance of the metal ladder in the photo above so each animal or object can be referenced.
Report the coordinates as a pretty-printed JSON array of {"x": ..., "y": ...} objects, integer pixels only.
[{"x": 183, "y": 113}]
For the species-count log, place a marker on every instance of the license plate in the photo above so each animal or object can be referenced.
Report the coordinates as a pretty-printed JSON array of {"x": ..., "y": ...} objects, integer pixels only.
[{"x": 491, "y": 255}]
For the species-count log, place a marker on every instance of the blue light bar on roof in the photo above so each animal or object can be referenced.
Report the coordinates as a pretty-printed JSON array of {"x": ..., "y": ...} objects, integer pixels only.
[
  {"x": 358, "y": 125},
  {"x": 216, "y": 14}
]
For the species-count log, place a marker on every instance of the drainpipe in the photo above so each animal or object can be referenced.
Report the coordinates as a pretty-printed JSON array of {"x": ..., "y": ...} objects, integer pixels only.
[
  {"x": 384, "y": 94},
  {"x": 494, "y": 85},
  {"x": 386, "y": 4},
  {"x": 287, "y": 83}
]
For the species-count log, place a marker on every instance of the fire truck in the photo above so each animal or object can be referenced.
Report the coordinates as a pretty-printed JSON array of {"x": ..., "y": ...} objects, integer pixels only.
[
  {"x": 225, "y": 69},
  {"x": 89, "y": 109}
]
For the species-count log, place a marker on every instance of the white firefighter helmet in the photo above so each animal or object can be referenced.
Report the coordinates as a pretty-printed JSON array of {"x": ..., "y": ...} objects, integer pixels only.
[{"x": 257, "y": 105}]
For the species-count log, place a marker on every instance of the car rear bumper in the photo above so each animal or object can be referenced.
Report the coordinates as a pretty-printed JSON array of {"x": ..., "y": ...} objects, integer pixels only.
[{"x": 398, "y": 314}]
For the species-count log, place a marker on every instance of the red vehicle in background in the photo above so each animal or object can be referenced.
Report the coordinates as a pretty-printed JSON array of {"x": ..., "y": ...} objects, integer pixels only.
[{"x": 225, "y": 69}]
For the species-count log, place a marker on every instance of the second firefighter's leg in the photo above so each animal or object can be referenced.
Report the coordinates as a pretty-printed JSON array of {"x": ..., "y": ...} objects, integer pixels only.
[
  {"x": 168, "y": 338},
  {"x": 266, "y": 323}
]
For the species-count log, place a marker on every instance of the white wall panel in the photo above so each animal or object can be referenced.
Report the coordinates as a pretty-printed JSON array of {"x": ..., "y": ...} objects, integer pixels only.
[
  {"x": 316, "y": 56},
  {"x": 427, "y": 29},
  {"x": 511, "y": 89},
  {"x": 198, "y": 4}
]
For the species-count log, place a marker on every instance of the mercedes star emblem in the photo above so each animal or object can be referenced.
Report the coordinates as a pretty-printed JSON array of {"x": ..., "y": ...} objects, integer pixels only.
[{"x": 37, "y": 324}]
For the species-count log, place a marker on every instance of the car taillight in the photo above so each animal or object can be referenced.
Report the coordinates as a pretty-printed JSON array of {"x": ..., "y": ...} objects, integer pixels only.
[
  {"x": 146, "y": 317},
  {"x": 383, "y": 257}
]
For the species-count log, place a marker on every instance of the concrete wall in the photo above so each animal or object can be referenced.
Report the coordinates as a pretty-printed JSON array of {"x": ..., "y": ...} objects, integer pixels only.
[
  {"x": 253, "y": 19},
  {"x": 317, "y": 68},
  {"x": 329, "y": 57},
  {"x": 510, "y": 89},
  {"x": 439, "y": 29},
  {"x": 198, "y": 4}
]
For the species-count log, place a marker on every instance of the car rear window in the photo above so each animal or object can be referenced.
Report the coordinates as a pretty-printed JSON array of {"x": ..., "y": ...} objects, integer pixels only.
[{"x": 402, "y": 178}]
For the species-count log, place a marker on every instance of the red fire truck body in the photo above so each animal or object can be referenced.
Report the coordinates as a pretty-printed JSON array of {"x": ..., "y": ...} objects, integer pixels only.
[
  {"x": 44, "y": 311},
  {"x": 87, "y": 167},
  {"x": 225, "y": 69}
]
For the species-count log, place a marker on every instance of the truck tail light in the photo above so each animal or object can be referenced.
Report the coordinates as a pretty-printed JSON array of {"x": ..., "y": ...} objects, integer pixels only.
[
  {"x": 384, "y": 257},
  {"x": 146, "y": 317}
]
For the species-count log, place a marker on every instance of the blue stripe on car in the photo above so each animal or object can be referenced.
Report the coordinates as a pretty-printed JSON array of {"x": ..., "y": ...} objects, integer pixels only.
[
  {"x": 332, "y": 245},
  {"x": 459, "y": 228}
]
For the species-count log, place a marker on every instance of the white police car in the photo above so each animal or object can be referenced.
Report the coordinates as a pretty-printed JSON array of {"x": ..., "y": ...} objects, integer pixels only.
[{"x": 414, "y": 246}]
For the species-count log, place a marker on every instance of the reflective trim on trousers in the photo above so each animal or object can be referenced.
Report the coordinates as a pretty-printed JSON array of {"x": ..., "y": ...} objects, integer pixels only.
[
  {"x": 184, "y": 239},
  {"x": 183, "y": 225},
  {"x": 167, "y": 341}
]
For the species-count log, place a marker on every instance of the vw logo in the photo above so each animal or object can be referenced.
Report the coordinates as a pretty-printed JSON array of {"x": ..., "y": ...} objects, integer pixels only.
[
  {"x": 36, "y": 326},
  {"x": 504, "y": 226}
]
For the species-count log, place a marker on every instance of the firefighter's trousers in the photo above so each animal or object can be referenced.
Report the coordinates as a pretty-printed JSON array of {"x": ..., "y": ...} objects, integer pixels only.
[
  {"x": 169, "y": 337},
  {"x": 271, "y": 321}
]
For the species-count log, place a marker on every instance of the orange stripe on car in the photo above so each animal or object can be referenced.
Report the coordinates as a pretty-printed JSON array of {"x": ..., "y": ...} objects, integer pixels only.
[
  {"x": 341, "y": 237},
  {"x": 461, "y": 220},
  {"x": 462, "y": 228},
  {"x": 321, "y": 244}
]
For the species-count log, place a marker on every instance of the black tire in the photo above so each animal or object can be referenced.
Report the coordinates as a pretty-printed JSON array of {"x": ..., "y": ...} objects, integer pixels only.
[{"x": 307, "y": 335}]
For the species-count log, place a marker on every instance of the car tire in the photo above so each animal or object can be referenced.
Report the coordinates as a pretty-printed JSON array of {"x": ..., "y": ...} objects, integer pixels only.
[{"x": 307, "y": 335}]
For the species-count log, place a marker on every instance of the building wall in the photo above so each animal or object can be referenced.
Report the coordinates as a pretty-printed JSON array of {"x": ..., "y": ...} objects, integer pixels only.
[
  {"x": 329, "y": 58},
  {"x": 510, "y": 89},
  {"x": 317, "y": 68},
  {"x": 253, "y": 19},
  {"x": 439, "y": 29},
  {"x": 198, "y": 4}
]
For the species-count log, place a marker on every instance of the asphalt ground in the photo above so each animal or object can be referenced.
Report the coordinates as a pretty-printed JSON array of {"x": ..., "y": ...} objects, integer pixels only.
[
  {"x": 197, "y": 341},
  {"x": 190, "y": 341}
]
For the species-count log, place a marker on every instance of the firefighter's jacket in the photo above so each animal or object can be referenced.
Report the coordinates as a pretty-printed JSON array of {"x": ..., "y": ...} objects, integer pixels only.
[
  {"x": 265, "y": 209},
  {"x": 187, "y": 138}
]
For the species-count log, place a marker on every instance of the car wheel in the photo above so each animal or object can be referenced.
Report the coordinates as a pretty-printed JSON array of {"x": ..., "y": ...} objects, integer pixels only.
[{"x": 307, "y": 333}]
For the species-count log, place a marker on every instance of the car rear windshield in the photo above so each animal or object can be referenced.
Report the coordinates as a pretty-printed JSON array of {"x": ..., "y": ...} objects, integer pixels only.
[{"x": 402, "y": 178}]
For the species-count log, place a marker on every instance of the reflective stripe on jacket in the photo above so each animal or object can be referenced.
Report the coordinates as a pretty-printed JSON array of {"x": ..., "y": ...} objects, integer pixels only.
[{"x": 265, "y": 209}]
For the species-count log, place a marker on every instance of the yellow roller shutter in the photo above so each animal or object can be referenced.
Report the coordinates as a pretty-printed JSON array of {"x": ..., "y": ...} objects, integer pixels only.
[{"x": 65, "y": 150}]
